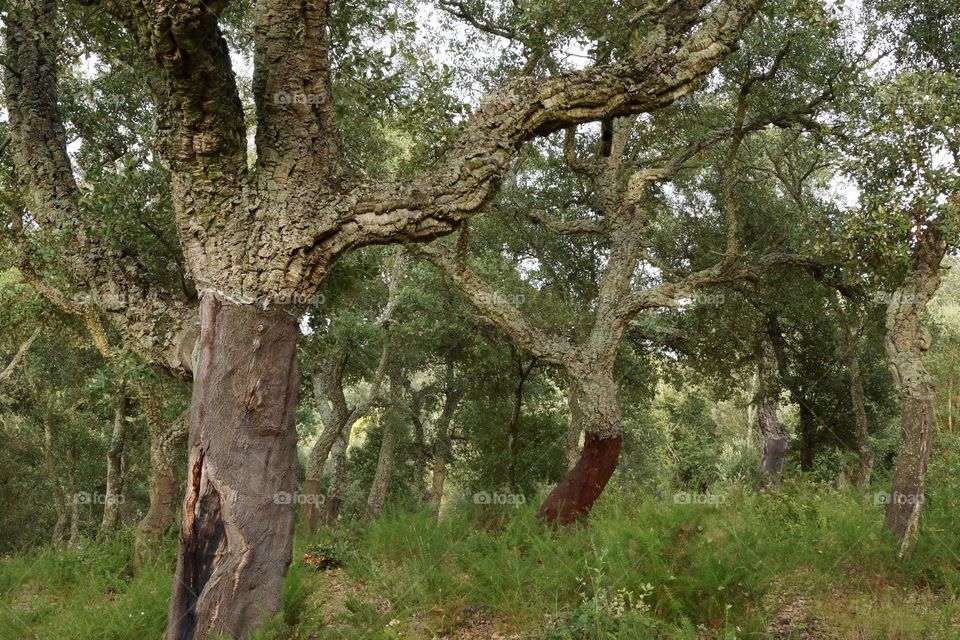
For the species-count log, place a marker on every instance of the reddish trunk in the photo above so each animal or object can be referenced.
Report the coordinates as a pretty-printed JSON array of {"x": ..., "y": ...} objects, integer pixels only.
[
  {"x": 595, "y": 411},
  {"x": 237, "y": 526},
  {"x": 574, "y": 496}
]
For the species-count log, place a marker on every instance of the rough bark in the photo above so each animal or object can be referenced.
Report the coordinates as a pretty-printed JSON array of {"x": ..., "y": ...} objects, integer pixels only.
[
  {"x": 593, "y": 405},
  {"x": 442, "y": 444},
  {"x": 166, "y": 440},
  {"x": 156, "y": 324},
  {"x": 776, "y": 438},
  {"x": 390, "y": 426},
  {"x": 19, "y": 356},
  {"x": 905, "y": 343},
  {"x": 273, "y": 242},
  {"x": 59, "y": 499},
  {"x": 236, "y": 531},
  {"x": 338, "y": 479},
  {"x": 858, "y": 401},
  {"x": 513, "y": 429},
  {"x": 113, "y": 496}
]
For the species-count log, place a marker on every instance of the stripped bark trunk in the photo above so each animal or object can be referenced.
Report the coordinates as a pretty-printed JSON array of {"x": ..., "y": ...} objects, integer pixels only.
[
  {"x": 594, "y": 408},
  {"x": 166, "y": 440},
  {"x": 236, "y": 531},
  {"x": 776, "y": 438},
  {"x": 114, "y": 492},
  {"x": 906, "y": 341}
]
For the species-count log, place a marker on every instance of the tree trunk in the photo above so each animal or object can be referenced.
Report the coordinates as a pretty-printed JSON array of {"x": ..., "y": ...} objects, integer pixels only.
[
  {"x": 381, "y": 479},
  {"x": 858, "y": 400},
  {"x": 74, "y": 541},
  {"x": 114, "y": 493},
  {"x": 166, "y": 439},
  {"x": 441, "y": 450},
  {"x": 419, "y": 445},
  {"x": 513, "y": 431},
  {"x": 594, "y": 409},
  {"x": 59, "y": 501},
  {"x": 338, "y": 479},
  {"x": 441, "y": 458},
  {"x": 316, "y": 463},
  {"x": 776, "y": 438},
  {"x": 806, "y": 426},
  {"x": 906, "y": 341},
  {"x": 236, "y": 530}
]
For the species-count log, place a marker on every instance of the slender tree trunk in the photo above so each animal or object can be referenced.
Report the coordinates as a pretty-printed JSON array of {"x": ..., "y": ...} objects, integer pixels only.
[
  {"x": 115, "y": 470},
  {"x": 594, "y": 408},
  {"x": 236, "y": 530},
  {"x": 441, "y": 459},
  {"x": 166, "y": 440},
  {"x": 316, "y": 463},
  {"x": 59, "y": 500},
  {"x": 906, "y": 341},
  {"x": 338, "y": 479},
  {"x": 776, "y": 438},
  {"x": 442, "y": 449},
  {"x": 419, "y": 446},
  {"x": 858, "y": 400},
  {"x": 513, "y": 431},
  {"x": 74, "y": 541},
  {"x": 381, "y": 479}
]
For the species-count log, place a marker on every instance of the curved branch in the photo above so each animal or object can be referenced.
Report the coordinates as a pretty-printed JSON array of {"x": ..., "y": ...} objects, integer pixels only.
[
  {"x": 495, "y": 306},
  {"x": 151, "y": 321},
  {"x": 439, "y": 201}
]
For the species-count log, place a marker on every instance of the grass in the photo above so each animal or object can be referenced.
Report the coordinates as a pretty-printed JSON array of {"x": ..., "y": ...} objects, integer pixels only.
[{"x": 644, "y": 567}]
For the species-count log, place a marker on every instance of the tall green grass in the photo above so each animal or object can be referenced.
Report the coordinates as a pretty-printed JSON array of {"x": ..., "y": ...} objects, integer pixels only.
[{"x": 645, "y": 566}]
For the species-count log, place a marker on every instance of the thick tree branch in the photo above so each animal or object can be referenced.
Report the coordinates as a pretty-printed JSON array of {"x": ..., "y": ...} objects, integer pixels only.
[
  {"x": 496, "y": 307},
  {"x": 436, "y": 203},
  {"x": 154, "y": 323},
  {"x": 19, "y": 356}
]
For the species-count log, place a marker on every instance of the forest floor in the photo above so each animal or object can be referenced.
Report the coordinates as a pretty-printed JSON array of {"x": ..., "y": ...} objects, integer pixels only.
[{"x": 806, "y": 562}]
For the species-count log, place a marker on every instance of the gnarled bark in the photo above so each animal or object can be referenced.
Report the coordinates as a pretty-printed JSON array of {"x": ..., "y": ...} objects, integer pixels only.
[
  {"x": 236, "y": 532},
  {"x": 858, "y": 401},
  {"x": 388, "y": 445},
  {"x": 114, "y": 491},
  {"x": 905, "y": 343},
  {"x": 166, "y": 440},
  {"x": 338, "y": 479},
  {"x": 776, "y": 438}
]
